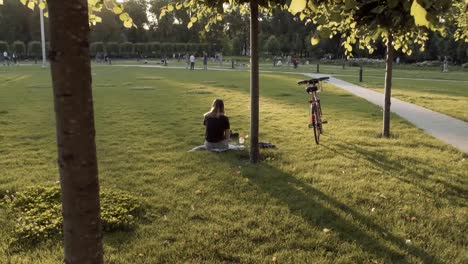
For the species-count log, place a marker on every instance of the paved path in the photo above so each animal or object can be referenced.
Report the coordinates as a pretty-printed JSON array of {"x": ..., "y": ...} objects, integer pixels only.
[{"x": 448, "y": 129}]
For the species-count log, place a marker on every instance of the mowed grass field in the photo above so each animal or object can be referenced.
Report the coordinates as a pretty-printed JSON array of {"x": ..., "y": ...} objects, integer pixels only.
[
  {"x": 356, "y": 198},
  {"x": 428, "y": 87}
]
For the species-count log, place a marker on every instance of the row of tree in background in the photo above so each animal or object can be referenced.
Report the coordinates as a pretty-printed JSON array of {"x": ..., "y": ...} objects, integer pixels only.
[
  {"x": 115, "y": 49},
  {"x": 280, "y": 34}
]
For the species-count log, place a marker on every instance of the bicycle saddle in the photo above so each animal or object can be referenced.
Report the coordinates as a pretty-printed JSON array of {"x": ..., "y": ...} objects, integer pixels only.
[{"x": 311, "y": 89}]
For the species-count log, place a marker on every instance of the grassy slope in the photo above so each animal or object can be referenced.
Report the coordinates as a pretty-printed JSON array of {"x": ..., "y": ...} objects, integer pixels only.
[
  {"x": 449, "y": 97},
  {"x": 215, "y": 207}
]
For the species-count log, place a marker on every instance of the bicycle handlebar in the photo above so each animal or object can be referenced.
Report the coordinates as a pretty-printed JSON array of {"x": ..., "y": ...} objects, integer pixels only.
[{"x": 313, "y": 81}]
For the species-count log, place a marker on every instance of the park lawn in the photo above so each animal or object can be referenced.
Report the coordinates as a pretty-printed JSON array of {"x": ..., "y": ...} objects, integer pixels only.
[
  {"x": 448, "y": 97},
  {"x": 355, "y": 198}
]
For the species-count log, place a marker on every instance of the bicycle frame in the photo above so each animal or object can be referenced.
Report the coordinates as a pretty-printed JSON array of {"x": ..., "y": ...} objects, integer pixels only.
[
  {"x": 315, "y": 101},
  {"x": 314, "y": 107}
]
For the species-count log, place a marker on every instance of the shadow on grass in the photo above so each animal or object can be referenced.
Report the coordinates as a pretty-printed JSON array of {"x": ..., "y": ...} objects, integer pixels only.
[
  {"x": 309, "y": 203},
  {"x": 419, "y": 173}
]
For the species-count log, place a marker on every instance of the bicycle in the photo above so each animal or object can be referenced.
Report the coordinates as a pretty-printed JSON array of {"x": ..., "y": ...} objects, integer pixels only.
[{"x": 316, "y": 122}]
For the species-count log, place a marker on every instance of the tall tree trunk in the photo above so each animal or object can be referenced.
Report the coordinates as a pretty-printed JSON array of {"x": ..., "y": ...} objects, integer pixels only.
[
  {"x": 254, "y": 84},
  {"x": 71, "y": 77},
  {"x": 388, "y": 86}
]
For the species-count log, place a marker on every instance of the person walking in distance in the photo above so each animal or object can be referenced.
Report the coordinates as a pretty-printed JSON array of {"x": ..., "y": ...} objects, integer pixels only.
[
  {"x": 6, "y": 60},
  {"x": 192, "y": 62}
]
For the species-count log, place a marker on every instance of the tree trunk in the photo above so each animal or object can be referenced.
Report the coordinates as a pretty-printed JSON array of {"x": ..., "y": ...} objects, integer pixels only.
[
  {"x": 388, "y": 86},
  {"x": 254, "y": 84},
  {"x": 71, "y": 77}
]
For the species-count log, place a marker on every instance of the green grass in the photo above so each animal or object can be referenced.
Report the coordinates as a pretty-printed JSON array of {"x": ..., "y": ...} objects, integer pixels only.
[{"x": 356, "y": 198}]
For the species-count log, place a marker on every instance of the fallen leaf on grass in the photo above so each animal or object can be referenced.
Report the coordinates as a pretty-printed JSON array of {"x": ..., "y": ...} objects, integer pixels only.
[{"x": 326, "y": 230}]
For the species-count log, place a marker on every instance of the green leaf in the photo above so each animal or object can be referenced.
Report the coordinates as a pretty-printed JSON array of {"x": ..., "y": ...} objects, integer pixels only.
[
  {"x": 170, "y": 7},
  {"x": 117, "y": 10},
  {"x": 23, "y": 2},
  {"x": 314, "y": 40},
  {"x": 297, "y": 6},
  {"x": 31, "y": 5},
  {"x": 42, "y": 5},
  {"x": 128, "y": 24},
  {"x": 124, "y": 17},
  {"x": 190, "y": 24},
  {"x": 302, "y": 16},
  {"x": 419, "y": 14}
]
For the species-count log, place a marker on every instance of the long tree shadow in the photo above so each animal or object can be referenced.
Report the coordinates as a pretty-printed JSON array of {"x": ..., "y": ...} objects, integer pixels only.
[
  {"x": 418, "y": 174},
  {"x": 309, "y": 203}
]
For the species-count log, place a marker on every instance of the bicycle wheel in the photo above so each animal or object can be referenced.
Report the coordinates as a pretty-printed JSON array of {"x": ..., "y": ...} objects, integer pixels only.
[
  {"x": 315, "y": 125},
  {"x": 318, "y": 119}
]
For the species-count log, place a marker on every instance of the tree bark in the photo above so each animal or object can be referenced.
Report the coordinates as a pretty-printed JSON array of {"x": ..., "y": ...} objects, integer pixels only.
[
  {"x": 254, "y": 83},
  {"x": 71, "y": 78},
  {"x": 388, "y": 86}
]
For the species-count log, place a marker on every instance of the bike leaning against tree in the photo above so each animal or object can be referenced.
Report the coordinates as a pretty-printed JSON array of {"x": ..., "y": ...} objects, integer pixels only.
[{"x": 315, "y": 110}]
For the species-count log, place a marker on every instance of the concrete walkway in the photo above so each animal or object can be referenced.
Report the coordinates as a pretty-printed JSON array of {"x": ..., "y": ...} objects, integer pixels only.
[{"x": 448, "y": 129}]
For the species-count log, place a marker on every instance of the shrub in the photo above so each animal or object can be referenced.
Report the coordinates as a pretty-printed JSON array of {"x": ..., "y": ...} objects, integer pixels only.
[
  {"x": 166, "y": 49},
  {"x": 179, "y": 48},
  {"x": 112, "y": 48},
  {"x": 18, "y": 47},
  {"x": 96, "y": 47},
  {"x": 34, "y": 49},
  {"x": 37, "y": 212},
  {"x": 126, "y": 49},
  {"x": 155, "y": 48},
  {"x": 429, "y": 63},
  {"x": 141, "y": 48},
  {"x": 3, "y": 46}
]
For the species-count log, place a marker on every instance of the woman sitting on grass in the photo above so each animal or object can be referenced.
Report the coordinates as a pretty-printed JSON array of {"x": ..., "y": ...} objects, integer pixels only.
[{"x": 217, "y": 127}]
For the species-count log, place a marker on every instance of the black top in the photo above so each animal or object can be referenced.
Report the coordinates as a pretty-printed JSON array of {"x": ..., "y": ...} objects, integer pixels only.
[{"x": 215, "y": 127}]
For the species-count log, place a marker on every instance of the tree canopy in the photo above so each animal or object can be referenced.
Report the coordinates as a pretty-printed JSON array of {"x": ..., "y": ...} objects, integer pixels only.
[
  {"x": 94, "y": 7},
  {"x": 363, "y": 22}
]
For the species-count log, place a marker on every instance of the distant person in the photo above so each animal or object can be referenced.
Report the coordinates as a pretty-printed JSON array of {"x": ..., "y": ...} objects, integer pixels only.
[
  {"x": 14, "y": 58},
  {"x": 192, "y": 62},
  {"x": 6, "y": 60},
  {"x": 445, "y": 67},
  {"x": 398, "y": 60},
  {"x": 295, "y": 62},
  {"x": 205, "y": 61}
]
